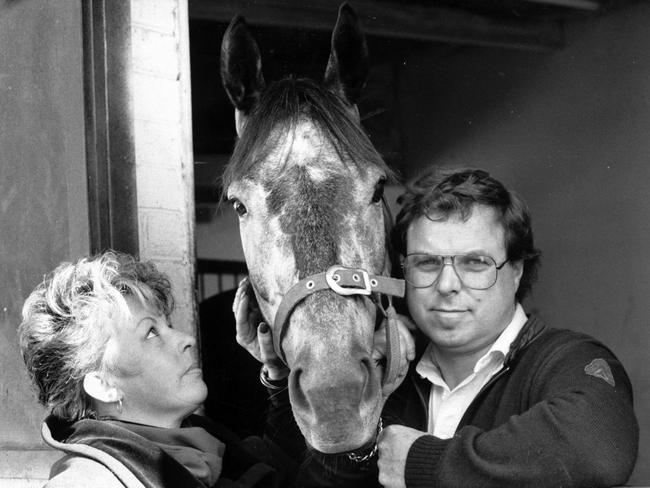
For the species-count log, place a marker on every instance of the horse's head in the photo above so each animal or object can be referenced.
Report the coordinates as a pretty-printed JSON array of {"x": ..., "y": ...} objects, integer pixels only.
[{"x": 307, "y": 185}]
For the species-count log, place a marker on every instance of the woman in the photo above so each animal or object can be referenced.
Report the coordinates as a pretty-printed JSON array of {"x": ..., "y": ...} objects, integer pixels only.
[{"x": 121, "y": 383}]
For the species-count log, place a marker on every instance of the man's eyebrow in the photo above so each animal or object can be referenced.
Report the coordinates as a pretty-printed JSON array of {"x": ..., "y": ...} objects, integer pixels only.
[
  {"x": 476, "y": 252},
  {"x": 482, "y": 252}
]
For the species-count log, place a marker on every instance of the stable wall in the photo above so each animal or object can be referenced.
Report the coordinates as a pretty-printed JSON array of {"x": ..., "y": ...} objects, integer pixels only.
[
  {"x": 162, "y": 130},
  {"x": 569, "y": 131},
  {"x": 43, "y": 198}
]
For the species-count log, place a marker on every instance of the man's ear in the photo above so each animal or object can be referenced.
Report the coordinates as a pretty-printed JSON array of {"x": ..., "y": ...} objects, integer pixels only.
[
  {"x": 518, "y": 268},
  {"x": 99, "y": 388}
]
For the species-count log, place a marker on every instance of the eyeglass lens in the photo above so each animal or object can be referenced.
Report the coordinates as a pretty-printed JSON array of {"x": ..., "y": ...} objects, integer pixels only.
[{"x": 474, "y": 271}]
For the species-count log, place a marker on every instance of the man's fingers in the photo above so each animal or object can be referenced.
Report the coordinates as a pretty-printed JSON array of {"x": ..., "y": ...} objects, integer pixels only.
[
  {"x": 379, "y": 342},
  {"x": 410, "y": 325},
  {"x": 407, "y": 343}
]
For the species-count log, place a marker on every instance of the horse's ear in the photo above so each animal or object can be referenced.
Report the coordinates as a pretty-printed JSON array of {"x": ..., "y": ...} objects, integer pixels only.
[
  {"x": 241, "y": 68},
  {"x": 347, "y": 68}
]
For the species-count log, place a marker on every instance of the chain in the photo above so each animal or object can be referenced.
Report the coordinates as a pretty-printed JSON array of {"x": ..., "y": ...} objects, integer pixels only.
[{"x": 362, "y": 458}]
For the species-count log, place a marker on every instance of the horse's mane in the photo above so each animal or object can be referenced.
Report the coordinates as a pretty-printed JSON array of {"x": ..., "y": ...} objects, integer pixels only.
[{"x": 280, "y": 107}]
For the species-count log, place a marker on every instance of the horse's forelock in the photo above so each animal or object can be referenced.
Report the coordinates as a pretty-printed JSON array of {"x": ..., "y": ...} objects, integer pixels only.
[{"x": 280, "y": 108}]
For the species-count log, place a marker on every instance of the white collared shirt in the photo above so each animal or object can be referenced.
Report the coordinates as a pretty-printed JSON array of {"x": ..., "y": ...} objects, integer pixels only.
[{"x": 446, "y": 407}]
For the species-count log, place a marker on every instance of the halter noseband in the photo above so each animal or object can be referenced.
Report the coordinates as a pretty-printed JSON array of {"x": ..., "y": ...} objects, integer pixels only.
[{"x": 346, "y": 281}]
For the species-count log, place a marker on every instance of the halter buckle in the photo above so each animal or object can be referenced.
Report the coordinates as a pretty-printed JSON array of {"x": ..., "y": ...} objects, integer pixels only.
[{"x": 357, "y": 280}]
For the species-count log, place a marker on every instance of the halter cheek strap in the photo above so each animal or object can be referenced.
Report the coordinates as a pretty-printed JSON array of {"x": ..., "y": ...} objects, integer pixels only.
[
  {"x": 392, "y": 343},
  {"x": 346, "y": 281}
]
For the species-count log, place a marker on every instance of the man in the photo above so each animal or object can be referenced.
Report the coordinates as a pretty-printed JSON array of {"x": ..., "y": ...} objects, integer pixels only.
[{"x": 496, "y": 398}]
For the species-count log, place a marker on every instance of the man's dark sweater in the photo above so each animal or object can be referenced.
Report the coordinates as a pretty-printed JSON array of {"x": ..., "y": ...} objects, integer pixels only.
[{"x": 558, "y": 414}]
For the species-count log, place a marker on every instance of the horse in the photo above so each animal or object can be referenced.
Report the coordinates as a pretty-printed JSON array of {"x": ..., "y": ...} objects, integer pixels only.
[{"x": 307, "y": 185}]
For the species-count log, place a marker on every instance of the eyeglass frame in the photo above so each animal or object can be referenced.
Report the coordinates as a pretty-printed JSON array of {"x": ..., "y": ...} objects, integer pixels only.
[{"x": 450, "y": 259}]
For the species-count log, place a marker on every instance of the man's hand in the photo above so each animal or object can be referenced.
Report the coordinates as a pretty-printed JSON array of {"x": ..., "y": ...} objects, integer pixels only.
[
  {"x": 406, "y": 349},
  {"x": 255, "y": 336},
  {"x": 393, "y": 446}
]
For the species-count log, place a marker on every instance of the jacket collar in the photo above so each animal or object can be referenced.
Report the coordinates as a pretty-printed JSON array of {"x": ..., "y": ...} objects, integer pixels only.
[{"x": 529, "y": 332}]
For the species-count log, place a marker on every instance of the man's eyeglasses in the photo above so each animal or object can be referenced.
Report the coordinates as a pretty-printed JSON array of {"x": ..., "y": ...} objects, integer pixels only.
[{"x": 474, "y": 270}]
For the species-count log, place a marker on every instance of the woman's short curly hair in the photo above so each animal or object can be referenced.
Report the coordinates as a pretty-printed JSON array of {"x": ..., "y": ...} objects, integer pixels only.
[
  {"x": 445, "y": 193},
  {"x": 66, "y": 324}
]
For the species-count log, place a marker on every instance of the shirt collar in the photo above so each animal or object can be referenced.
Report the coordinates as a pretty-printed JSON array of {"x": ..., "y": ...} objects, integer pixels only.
[
  {"x": 501, "y": 346},
  {"x": 428, "y": 369}
]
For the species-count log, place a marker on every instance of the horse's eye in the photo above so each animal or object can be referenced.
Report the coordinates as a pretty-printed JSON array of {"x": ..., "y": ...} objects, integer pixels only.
[
  {"x": 239, "y": 207},
  {"x": 379, "y": 190}
]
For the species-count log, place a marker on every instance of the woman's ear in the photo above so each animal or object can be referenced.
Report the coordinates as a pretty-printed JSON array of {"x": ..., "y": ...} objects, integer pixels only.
[{"x": 99, "y": 388}]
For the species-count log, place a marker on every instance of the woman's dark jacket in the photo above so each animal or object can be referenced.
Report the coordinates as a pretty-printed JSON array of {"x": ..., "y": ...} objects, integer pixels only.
[{"x": 133, "y": 461}]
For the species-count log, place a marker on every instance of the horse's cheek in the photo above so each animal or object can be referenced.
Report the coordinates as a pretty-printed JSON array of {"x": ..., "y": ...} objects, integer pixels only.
[{"x": 372, "y": 237}]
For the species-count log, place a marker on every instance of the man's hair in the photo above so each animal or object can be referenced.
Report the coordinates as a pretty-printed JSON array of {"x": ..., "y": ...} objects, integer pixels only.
[
  {"x": 67, "y": 324},
  {"x": 444, "y": 194}
]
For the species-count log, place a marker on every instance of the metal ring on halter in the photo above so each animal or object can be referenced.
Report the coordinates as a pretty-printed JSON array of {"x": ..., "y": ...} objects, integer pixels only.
[{"x": 358, "y": 458}]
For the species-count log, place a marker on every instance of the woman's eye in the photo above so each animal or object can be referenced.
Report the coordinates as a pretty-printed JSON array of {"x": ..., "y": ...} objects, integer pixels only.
[
  {"x": 239, "y": 207},
  {"x": 152, "y": 333},
  {"x": 379, "y": 190}
]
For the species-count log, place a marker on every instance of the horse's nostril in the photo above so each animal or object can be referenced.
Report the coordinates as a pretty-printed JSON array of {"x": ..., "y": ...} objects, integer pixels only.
[{"x": 368, "y": 370}]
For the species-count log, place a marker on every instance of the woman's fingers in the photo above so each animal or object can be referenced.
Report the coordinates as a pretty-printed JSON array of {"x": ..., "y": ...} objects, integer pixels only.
[
  {"x": 265, "y": 339},
  {"x": 275, "y": 367},
  {"x": 241, "y": 302},
  {"x": 246, "y": 333}
]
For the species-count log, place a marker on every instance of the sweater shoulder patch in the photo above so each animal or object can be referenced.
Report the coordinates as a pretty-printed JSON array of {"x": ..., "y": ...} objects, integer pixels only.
[{"x": 600, "y": 369}]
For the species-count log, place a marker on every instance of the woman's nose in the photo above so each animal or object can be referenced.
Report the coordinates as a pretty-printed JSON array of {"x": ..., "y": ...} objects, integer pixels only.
[{"x": 185, "y": 340}]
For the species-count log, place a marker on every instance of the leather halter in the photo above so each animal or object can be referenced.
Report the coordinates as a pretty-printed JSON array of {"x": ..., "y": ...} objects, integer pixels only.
[{"x": 346, "y": 281}]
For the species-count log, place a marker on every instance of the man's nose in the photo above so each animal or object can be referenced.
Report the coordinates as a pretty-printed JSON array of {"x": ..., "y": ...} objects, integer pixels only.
[{"x": 448, "y": 280}]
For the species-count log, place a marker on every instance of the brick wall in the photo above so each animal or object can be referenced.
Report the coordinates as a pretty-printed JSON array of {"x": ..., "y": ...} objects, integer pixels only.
[{"x": 163, "y": 143}]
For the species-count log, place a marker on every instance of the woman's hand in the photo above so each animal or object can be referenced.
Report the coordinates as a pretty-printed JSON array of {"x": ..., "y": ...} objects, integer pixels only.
[
  {"x": 406, "y": 349},
  {"x": 254, "y": 335}
]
